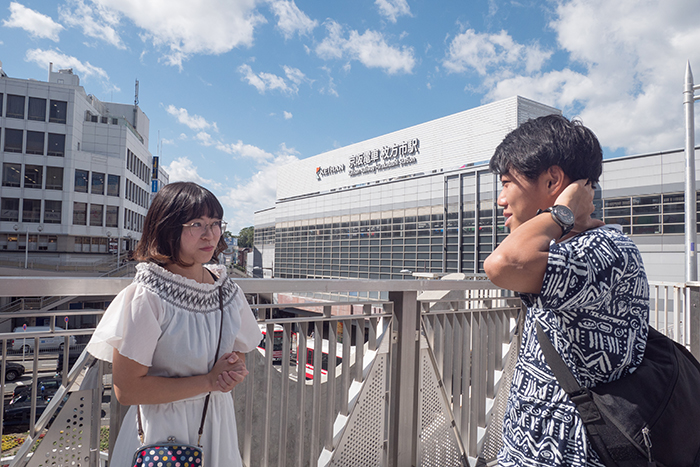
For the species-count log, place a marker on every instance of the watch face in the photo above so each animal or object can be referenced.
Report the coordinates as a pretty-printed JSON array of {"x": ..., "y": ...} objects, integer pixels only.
[{"x": 564, "y": 214}]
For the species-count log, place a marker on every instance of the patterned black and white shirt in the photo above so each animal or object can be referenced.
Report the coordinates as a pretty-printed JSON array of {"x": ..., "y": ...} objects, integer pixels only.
[{"x": 594, "y": 306}]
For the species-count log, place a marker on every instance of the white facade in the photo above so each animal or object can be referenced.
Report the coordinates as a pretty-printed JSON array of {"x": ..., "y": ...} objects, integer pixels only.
[
  {"x": 76, "y": 173},
  {"x": 434, "y": 209}
]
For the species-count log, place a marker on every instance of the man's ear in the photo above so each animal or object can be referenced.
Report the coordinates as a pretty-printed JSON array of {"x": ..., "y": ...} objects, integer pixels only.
[{"x": 556, "y": 179}]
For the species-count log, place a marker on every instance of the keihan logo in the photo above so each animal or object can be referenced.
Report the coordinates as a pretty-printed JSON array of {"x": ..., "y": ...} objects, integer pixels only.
[{"x": 331, "y": 170}]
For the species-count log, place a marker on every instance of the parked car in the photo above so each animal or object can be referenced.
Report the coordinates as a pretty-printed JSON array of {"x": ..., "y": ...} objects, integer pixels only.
[
  {"x": 54, "y": 341},
  {"x": 13, "y": 371},
  {"x": 16, "y": 414}
]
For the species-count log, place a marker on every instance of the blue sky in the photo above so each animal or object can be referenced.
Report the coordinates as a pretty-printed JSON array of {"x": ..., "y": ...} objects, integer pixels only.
[{"x": 237, "y": 88}]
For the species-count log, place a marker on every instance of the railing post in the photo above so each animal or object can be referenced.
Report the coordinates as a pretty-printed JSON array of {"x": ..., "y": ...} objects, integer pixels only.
[
  {"x": 404, "y": 377},
  {"x": 694, "y": 318}
]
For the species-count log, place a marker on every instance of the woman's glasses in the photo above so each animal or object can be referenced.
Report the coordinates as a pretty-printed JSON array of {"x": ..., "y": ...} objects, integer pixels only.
[{"x": 199, "y": 229}]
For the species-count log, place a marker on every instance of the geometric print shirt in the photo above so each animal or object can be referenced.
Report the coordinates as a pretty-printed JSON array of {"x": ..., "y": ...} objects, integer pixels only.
[{"x": 594, "y": 307}]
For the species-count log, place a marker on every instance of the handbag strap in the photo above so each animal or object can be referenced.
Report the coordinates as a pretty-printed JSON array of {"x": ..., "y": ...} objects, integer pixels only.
[{"x": 206, "y": 400}]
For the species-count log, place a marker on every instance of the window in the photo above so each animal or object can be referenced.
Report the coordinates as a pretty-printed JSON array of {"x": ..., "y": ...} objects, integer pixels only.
[
  {"x": 112, "y": 219},
  {"x": 52, "y": 212},
  {"x": 104, "y": 119},
  {"x": 11, "y": 174},
  {"x": 37, "y": 109},
  {"x": 9, "y": 210},
  {"x": 15, "y": 106},
  {"x": 54, "y": 178},
  {"x": 13, "y": 140},
  {"x": 98, "y": 184},
  {"x": 96, "y": 215},
  {"x": 113, "y": 185},
  {"x": 81, "y": 181},
  {"x": 57, "y": 144},
  {"x": 31, "y": 210},
  {"x": 115, "y": 121},
  {"x": 33, "y": 176},
  {"x": 79, "y": 213},
  {"x": 35, "y": 142},
  {"x": 57, "y": 111},
  {"x": 1, "y": 99}
]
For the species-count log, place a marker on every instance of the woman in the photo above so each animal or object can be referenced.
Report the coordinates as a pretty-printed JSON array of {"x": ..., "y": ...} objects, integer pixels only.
[{"x": 161, "y": 332}]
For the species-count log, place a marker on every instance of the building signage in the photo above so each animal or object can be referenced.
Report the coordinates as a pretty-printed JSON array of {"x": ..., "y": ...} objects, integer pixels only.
[
  {"x": 374, "y": 160},
  {"x": 154, "y": 170},
  {"x": 388, "y": 157},
  {"x": 332, "y": 170}
]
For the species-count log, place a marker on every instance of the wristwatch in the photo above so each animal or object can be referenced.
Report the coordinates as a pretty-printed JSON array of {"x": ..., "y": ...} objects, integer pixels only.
[{"x": 563, "y": 216}]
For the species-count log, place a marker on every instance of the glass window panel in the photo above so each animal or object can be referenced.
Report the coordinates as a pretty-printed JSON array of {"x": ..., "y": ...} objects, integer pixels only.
[
  {"x": 96, "y": 211},
  {"x": 674, "y": 208},
  {"x": 33, "y": 175},
  {"x": 57, "y": 111},
  {"x": 79, "y": 213},
  {"x": 673, "y": 229},
  {"x": 646, "y": 229},
  {"x": 642, "y": 200},
  {"x": 9, "y": 209},
  {"x": 11, "y": 174},
  {"x": 617, "y": 203},
  {"x": 57, "y": 144},
  {"x": 674, "y": 198},
  {"x": 52, "y": 212},
  {"x": 81, "y": 181},
  {"x": 1, "y": 101},
  {"x": 646, "y": 209},
  {"x": 674, "y": 218},
  {"x": 643, "y": 220},
  {"x": 617, "y": 212},
  {"x": 37, "y": 109},
  {"x": 15, "y": 106},
  {"x": 13, "y": 140},
  {"x": 54, "y": 178},
  {"x": 35, "y": 142},
  {"x": 98, "y": 183},
  {"x": 31, "y": 210}
]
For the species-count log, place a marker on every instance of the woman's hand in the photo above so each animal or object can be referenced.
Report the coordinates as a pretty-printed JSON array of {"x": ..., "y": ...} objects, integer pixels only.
[{"x": 229, "y": 371}]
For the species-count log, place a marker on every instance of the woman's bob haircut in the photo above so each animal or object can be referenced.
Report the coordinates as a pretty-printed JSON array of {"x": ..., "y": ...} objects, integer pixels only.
[{"x": 175, "y": 204}]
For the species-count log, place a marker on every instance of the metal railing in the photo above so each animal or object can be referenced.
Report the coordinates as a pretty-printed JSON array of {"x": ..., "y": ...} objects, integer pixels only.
[{"x": 418, "y": 369}]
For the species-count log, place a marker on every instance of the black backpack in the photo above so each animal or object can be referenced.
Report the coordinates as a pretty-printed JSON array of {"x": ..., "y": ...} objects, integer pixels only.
[{"x": 650, "y": 417}]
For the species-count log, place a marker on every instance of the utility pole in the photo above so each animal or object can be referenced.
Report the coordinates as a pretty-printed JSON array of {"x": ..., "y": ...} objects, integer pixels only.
[{"x": 691, "y": 261}]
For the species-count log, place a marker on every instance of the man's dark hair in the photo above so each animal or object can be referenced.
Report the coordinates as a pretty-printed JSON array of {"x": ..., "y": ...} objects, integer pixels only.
[
  {"x": 539, "y": 144},
  {"x": 174, "y": 205}
]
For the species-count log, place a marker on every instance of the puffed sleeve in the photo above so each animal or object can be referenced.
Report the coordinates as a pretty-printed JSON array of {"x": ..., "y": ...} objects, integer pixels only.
[
  {"x": 249, "y": 336},
  {"x": 130, "y": 325}
]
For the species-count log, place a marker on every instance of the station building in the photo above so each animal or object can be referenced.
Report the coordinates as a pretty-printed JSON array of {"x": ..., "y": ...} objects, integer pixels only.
[
  {"x": 77, "y": 174},
  {"x": 422, "y": 200}
]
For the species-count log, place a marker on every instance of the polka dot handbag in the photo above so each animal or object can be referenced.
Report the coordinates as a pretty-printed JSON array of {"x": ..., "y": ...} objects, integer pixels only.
[{"x": 169, "y": 454}]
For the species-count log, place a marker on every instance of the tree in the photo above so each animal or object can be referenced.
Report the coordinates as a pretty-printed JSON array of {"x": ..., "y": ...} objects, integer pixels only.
[{"x": 245, "y": 237}]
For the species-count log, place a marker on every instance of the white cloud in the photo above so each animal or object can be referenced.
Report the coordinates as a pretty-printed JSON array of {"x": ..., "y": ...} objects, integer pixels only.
[
  {"x": 60, "y": 60},
  {"x": 290, "y": 19},
  {"x": 36, "y": 24},
  {"x": 258, "y": 192},
  {"x": 392, "y": 9},
  {"x": 194, "y": 122},
  {"x": 183, "y": 170},
  {"x": 245, "y": 150},
  {"x": 185, "y": 27},
  {"x": 369, "y": 48},
  {"x": 486, "y": 53},
  {"x": 96, "y": 21},
  {"x": 626, "y": 72},
  {"x": 287, "y": 115},
  {"x": 270, "y": 82},
  {"x": 205, "y": 138}
]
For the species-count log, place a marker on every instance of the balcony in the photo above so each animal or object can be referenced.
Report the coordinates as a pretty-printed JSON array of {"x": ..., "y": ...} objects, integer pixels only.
[{"x": 418, "y": 367}]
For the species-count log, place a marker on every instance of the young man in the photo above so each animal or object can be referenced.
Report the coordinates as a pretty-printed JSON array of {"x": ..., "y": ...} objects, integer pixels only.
[{"x": 583, "y": 282}]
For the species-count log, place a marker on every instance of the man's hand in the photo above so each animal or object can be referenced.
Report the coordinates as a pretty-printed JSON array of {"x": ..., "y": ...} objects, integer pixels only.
[{"x": 578, "y": 197}]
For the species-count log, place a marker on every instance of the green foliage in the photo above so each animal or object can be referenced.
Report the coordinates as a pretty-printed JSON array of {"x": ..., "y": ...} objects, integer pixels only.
[{"x": 245, "y": 237}]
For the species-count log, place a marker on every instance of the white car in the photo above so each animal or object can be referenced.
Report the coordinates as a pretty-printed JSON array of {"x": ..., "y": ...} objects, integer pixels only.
[{"x": 47, "y": 342}]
